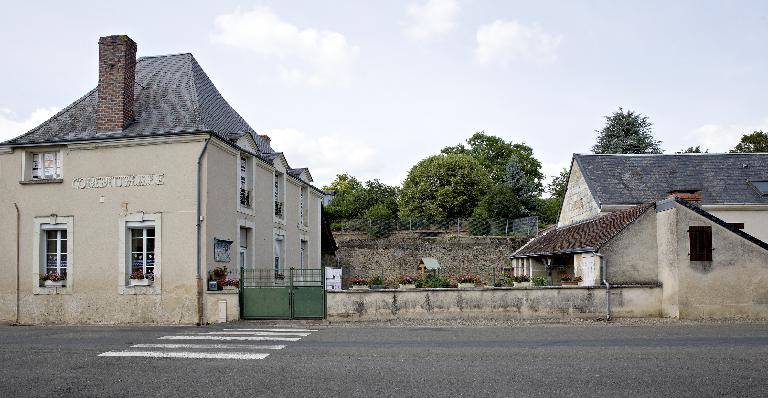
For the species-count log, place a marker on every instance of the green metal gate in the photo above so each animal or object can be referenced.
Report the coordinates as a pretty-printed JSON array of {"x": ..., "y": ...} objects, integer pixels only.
[{"x": 268, "y": 294}]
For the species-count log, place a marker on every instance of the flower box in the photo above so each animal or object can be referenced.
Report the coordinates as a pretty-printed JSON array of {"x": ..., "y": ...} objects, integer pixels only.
[
  {"x": 54, "y": 283},
  {"x": 407, "y": 286},
  {"x": 140, "y": 282},
  {"x": 231, "y": 288},
  {"x": 466, "y": 285},
  {"x": 569, "y": 283},
  {"x": 522, "y": 284},
  {"x": 360, "y": 287}
]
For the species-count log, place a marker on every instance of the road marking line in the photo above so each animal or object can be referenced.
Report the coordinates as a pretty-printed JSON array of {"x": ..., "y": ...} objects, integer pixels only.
[
  {"x": 258, "y": 333},
  {"x": 212, "y": 346},
  {"x": 188, "y": 355},
  {"x": 275, "y": 330},
  {"x": 249, "y": 338}
]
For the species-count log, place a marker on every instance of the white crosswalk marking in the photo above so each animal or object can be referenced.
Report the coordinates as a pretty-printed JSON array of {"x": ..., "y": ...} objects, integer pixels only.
[
  {"x": 259, "y": 333},
  {"x": 187, "y": 348},
  {"x": 274, "y": 330},
  {"x": 191, "y": 355},
  {"x": 212, "y": 346},
  {"x": 249, "y": 338}
]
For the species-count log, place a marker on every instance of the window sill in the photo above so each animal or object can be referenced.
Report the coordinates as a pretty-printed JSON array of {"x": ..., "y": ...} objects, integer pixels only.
[{"x": 42, "y": 181}]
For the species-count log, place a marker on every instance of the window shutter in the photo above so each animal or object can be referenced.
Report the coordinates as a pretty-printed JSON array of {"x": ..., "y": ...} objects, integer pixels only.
[{"x": 700, "y": 243}]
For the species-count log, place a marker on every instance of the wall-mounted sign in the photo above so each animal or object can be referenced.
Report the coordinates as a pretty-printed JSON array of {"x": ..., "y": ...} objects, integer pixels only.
[
  {"x": 221, "y": 250},
  {"x": 139, "y": 180}
]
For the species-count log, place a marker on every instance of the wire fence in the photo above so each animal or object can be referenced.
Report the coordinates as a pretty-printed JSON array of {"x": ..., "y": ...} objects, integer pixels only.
[{"x": 382, "y": 228}]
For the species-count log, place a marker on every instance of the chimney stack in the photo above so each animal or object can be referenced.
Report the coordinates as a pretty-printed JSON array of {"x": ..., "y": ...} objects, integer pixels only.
[
  {"x": 117, "y": 75},
  {"x": 266, "y": 138}
]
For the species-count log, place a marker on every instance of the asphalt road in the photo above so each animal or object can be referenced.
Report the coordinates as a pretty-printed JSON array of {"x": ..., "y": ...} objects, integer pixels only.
[{"x": 665, "y": 359}]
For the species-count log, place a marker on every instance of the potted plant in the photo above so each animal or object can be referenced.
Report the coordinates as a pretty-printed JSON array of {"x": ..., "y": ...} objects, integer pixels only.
[
  {"x": 138, "y": 278},
  {"x": 539, "y": 281},
  {"x": 407, "y": 282},
  {"x": 377, "y": 282},
  {"x": 469, "y": 280},
  {"x": 567, "y": 280},
  {"x": 522, "y": 281},
  {"x": 231, "y": 284},
  {"x": 359, "y": 283},
  {"x": 54, "y": 279}
]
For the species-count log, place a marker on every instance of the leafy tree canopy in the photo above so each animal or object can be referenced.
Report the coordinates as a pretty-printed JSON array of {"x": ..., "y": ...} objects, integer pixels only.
[
  {"x": 557, "y": 187},
  {"x": 443, "y": 186},
  {"x": 626, "y": 132},
  {"x": 752, "y": 143},
  {"x": 354, "y": 199},
  {"x": 696, "y": 149},
  {"x": 493, "y": 154}
]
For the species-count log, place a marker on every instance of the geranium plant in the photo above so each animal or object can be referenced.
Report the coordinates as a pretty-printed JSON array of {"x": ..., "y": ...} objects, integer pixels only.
[
  {"x": 53, "y": 277},
  {"x": 407, "y": 279},
  {"x": 469, "y": 278},
  {"x": 232, "y": 282},
  {"x": 358, "y": 281},
  {"x": 137, "y": 275},
  {"x": 566, "y": 277}
]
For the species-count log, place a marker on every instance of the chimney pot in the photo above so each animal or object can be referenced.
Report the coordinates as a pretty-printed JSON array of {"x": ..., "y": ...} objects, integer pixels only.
[{"x": 117, "y": 76}]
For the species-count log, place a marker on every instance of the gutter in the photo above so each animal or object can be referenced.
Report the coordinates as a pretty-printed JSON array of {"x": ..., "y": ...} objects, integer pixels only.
[
  {"x": 18, "y": 267},
  {"x": 604, "y": 270},
  {"x": 198, "y": 225}
]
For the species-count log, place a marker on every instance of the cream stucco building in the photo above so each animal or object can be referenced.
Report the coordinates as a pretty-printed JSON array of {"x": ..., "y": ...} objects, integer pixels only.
[{"x": 150, "y": 172}]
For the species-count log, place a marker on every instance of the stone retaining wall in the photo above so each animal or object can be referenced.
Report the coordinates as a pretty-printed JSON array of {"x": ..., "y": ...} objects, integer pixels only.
[{"x": 498, "y": 303}]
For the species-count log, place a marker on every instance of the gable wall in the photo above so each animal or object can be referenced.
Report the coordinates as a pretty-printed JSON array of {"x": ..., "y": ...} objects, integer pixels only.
[
  {"x": 578, "y": 204},
  {"x": 631, "y": 256}
]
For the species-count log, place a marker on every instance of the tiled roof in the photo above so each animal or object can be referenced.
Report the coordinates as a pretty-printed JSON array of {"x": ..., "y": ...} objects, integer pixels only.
[
  {"x": 586, "y": 236},
  {"x": 634, "y": 179},
  {"x": 172, "y": 95}
]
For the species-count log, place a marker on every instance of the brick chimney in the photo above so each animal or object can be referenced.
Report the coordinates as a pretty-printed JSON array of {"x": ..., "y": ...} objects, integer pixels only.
[
  {"x": 266, "y": 138},
  {"x": 117, "y": 75}
]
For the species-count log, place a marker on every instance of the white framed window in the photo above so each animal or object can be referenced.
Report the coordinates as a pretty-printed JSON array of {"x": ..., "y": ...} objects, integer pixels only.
[
  {"x": 45, "y": 165},
  {"x": 55, "y": 249},
  {"x": 142, "y": 246},
  {"x": 303, "y": 254},
  {"x": 245, "y": 183},
  {"x": 139, "y": 251},
  {"x": 52, "y": 254},
  {"x": 279, "y": 257},
  {"x": 278, "y": 193},
  {"x": 303, "y": 208}
]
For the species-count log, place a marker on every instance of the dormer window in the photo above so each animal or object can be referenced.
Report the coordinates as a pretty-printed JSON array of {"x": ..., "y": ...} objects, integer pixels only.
[
  {"x": 46, "y": 166},
  {"x": 278, "y": 193}
]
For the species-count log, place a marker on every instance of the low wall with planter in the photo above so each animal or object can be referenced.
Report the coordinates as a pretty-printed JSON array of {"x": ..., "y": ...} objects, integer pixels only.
[{"x": 497, "y": 303}]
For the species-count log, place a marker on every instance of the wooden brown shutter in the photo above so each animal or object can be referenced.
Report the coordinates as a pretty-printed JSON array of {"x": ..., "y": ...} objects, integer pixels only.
[{"x": 701, "y": 243}]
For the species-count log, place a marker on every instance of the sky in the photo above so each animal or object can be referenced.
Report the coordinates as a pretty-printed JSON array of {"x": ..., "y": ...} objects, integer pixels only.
[{"x": 372, "y": 87}]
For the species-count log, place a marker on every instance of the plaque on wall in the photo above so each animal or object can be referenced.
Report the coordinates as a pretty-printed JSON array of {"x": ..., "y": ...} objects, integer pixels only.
[{"x": 221, "y": 250}]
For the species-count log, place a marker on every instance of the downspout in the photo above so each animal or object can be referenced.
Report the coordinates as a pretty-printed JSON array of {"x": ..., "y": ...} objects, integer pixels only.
[
  {"x": 603, "y": 271},
  {"x": 198, "y": 224},
  {"x": 18, "y": 267}
]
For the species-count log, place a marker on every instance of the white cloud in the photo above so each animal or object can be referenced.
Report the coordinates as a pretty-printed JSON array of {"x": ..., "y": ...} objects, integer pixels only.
[
  {"x": 431, "y": 18},
  {"x": 326, "y": 155},
  {"x": 505, "y": 42},
  {"x": 721, "y": 138},
  {"x": 306, "y": 56},
  {"x": 11, "y": 127}
]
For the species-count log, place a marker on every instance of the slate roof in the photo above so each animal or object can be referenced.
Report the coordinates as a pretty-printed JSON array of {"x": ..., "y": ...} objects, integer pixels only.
[
  {"x": 172, "y": 95},
  {"x": 587, "y": 236},
  {"x": 636, "y": 179}
]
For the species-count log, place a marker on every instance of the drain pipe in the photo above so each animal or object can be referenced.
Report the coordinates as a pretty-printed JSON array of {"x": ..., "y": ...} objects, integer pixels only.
[
  {"x": 604, "y": 271},
  {"x": 18, "y": 267},
  {"x": 198, "y": 225}
]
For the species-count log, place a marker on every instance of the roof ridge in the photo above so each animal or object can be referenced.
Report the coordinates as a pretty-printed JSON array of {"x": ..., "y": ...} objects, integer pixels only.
[
  {"x": 648, "y": 207},
  {"x": 195, "y": 97},
  {"x": 145, "y": 57}
]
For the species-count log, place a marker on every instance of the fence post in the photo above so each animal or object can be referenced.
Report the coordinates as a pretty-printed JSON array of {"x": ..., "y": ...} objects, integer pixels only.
[{"x": 506, "y": 228}]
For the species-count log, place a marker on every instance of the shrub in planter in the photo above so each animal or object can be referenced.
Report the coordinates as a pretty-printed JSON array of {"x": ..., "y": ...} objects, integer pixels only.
[
  {"x": 377, "y": 282},
  {"x": 539, "y": 281},
  {"x": 433, "y": 281},
  {"x": 407, "y": 282},
  {"x": 469, "y": 280}
]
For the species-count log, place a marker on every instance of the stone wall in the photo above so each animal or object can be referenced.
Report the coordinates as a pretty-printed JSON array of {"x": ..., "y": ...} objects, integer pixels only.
[
  {"x": 396, "y": 256},
  {"x": 496, "y": 303}
]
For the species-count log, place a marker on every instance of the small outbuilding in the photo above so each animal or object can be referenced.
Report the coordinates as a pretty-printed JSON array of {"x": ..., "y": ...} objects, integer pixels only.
[{"x": 428, "y": 264}]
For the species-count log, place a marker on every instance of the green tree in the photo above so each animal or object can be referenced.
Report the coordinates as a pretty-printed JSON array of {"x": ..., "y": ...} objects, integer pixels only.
[
  {"x": 548, "y": 209},
  {"x": 353, "y": 198},
  {"x": 493, "y": 154},
  {"x": 557, "y": 187},
  {"x": 752, "y": 143},
  {"x": 626, "y": 132},
  {"x": 525, "y": 189},
  {"x": 443, "y": 186}
]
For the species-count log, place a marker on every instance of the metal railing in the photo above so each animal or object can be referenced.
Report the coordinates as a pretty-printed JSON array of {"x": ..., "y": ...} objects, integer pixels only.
[
  {"x": 278, "y": 209},
  {"x": 408, "y": 227},
  {"x": 245, "y": 197},
  {"x": 281, "y": 278}
]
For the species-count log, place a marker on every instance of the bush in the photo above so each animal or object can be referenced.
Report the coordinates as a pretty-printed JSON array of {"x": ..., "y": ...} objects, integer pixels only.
[
  {"x": 376, "y": 280},
  {"x": 539, "y": 281},
  {"x": 433, "y": 281}
]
